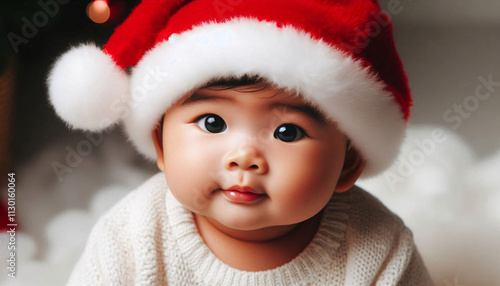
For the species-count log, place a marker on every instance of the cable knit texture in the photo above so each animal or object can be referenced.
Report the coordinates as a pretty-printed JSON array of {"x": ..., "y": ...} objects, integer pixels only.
[{"x": 149, "y": 238}]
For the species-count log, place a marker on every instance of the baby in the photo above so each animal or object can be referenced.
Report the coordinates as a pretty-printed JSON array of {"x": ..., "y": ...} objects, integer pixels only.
[{"x": 261, "y": 116}]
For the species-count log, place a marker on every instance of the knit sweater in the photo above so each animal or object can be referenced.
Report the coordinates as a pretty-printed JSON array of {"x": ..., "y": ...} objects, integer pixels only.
[{"x": 149, "y": 238}]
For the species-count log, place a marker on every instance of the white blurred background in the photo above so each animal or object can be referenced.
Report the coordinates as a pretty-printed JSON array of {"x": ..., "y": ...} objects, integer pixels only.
[
  {"x": 451, "y": 197},
  {"x": 445, "y": 185}
]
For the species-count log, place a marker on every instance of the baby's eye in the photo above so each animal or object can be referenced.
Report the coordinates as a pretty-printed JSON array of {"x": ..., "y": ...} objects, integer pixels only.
[
  {"x": 289, "y": 133},
  {"x": 211, "y": 123}
]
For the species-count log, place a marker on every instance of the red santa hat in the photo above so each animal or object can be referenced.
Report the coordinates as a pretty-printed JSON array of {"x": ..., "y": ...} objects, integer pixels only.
[{"x": 338, "y": 54}]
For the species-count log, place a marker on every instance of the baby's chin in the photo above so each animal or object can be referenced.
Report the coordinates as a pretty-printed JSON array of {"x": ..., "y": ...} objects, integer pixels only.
[
  {"x": 253, "y": 230},
  {"x": 243, "y": 224}
]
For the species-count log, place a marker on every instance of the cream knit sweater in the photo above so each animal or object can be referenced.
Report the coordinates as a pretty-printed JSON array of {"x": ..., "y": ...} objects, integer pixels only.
[{"x": 149, "y": 238}]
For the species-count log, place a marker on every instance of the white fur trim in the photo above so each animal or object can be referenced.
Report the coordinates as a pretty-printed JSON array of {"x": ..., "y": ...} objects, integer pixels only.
[
  {"x": 86, "y": 88},
  {"x": 350, "y": 94}
]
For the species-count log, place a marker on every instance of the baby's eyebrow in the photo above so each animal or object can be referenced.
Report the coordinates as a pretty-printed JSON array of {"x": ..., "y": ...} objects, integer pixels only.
[
  {"x": 304, "y": 108},
  {"x": 200, "y": 97}
]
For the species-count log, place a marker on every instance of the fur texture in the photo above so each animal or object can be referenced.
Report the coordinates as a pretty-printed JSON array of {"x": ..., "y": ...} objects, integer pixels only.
[
  {"x": 339, "y": 54},
  {"x": 137, "y": 35},
  {"x": 339, "y": 85},
  {"x": 86, "y": 87},
  {"x": 357, "y": 27}
]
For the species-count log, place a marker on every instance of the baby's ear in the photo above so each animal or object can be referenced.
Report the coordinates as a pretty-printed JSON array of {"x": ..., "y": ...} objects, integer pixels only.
[
  {"x": 353, "y": 166},
  {"x": 157, "y": 139}
]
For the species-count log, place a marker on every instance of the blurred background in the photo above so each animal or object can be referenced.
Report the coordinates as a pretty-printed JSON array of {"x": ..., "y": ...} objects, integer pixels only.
[{"x": 445, "y": 184}]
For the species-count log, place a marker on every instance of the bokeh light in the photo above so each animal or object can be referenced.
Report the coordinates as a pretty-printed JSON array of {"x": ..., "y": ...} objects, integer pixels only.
[{"x": 98, "y": 11}]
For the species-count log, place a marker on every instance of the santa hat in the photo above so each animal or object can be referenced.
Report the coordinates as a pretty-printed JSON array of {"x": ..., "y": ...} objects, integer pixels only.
[{"x": 338, "y": 54}]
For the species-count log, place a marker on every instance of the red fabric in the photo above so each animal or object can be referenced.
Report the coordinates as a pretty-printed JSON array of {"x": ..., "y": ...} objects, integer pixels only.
[
  {"x": 356, "y": 27},
  {"x": 385, "y": 61},
  {"x": 137, "y": 34}
]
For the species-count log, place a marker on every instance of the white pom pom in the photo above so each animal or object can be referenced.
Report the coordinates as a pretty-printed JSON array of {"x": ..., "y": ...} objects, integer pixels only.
[{"x": 87, "y": 89}]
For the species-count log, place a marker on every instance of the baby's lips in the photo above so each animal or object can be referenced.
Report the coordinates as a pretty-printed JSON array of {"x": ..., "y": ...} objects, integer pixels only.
[
  {"x": 242, "y": 194},
  {"x": 243, "y": 189}
]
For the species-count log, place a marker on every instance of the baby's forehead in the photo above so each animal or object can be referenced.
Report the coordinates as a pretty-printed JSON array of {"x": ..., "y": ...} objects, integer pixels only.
[
  {"x": 259, "y": 89},
  {"x": 262, "y": 92},
  {"x": 266, "y": 95}
]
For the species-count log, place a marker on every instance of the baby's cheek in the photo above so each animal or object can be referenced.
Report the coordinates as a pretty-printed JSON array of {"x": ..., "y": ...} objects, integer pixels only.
[
  {"x": 192, "y": 190},
  {"x": 307, "y": 186}
]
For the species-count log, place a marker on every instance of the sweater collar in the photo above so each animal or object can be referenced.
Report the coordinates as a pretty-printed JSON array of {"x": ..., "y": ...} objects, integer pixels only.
[{"x": 209, "y": 270}]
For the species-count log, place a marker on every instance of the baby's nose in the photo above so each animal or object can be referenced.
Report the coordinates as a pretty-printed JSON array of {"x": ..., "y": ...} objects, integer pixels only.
[{"x": 247, "y": 158}]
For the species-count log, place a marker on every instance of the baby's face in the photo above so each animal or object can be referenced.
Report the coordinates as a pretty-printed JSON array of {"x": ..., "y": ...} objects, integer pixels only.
[{"x": 250, "y": 160}]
